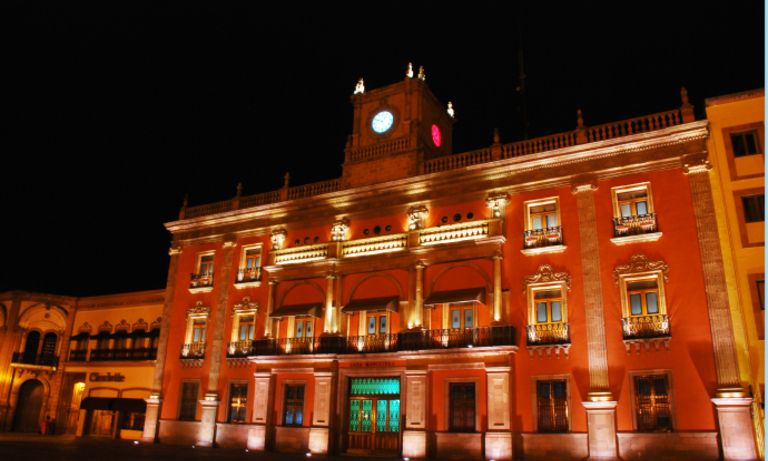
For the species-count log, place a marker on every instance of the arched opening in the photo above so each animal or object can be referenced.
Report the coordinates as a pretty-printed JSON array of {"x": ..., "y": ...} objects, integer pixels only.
[
  {"x": 31, "y": 346},
  {"x": 28, "y": 406},
  {"x": 48, "y": 353}
]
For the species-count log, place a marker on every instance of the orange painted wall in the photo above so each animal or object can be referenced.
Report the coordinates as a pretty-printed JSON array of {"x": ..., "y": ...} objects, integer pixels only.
[{"x": 477, "y": 208}]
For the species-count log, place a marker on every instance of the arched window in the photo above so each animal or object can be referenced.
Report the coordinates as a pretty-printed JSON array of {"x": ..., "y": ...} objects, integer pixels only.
[{"x": 31, "y": 346}]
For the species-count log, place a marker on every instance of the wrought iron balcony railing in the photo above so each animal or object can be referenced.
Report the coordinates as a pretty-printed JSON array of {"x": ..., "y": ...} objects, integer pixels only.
[
  {"x": 97, "y": 355},
  {"x": 635, "y": 225},
  {"x": 47, "y": 360},
  {"x": 202, "y": 280},
  {"x": 248, "y": 275},
  {"x": 537, "y": 238},
  {"x": 239, "y": 348},
  {"x": 403, "y": 341},
  {"x": 193, "y": 351},
  {"x": 77, "y": 355},
  {"x": 540, "y": 334},
  {"x": 645, "y": 326}
]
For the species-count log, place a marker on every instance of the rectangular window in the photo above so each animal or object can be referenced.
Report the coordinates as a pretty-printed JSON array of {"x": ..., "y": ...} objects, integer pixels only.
[
  {"x": 745, "y": 143},
  {"x": 754, "y": 208},
  {"x": 206, "y": 265},
  {"x": 652, "y": 404},
  {"x": 552, "y": 405},
  {"x": 238, "y": 400},
  {"x": 633, "y": 203},
  {"x": 542, "y": 214},
  {"x": 293, "y": 407},
  {"x": 198, "y": 330},
  {"x": 189, "y": 398},
  {"x": 252, "y": 258},
  {"x": 377, "y": 323},
  {"x": 462, "y": 407},
  {"x": 303, "y": 328},
  {"x": 643, "y": 297},
  {"x": 247, "y": 328},
  {"x": 462, "y": 316},
  {"x": 549, "y": 306}
]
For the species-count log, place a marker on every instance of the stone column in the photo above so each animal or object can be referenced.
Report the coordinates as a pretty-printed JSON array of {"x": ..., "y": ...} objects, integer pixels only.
[
  {"x": 498, "y": 438},
  {"x": 319, "y": 433},
  {"x": 328, "y": 326},
  {"x": 497, "y": 288},
  {"x": 206, "y": 435},
  {"x": 415, "y": 427},
  {"x": 262, "y": 396},
  {"x": 731, "y": 400},
  {"x": 600, "y": 405},
  {"x": 270, "y": 308},
  {"x": 152, "y": 417},
  {"x": 417, "y": 313}
]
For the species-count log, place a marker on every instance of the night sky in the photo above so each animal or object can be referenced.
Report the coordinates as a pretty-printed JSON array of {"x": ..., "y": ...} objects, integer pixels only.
[{"x": 111, "y": 113}]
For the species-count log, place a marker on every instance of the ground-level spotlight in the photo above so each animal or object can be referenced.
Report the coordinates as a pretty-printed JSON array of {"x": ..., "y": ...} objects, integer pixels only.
[
  {"x": 308, "y": 454},
  {"x": 246, "y": 450},
  {"x": 135, "y": 442},
  {"x": 193, "y": 446}
]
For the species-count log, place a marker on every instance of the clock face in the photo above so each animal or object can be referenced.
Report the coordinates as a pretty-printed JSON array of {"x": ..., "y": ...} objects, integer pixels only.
[
  {"x": 437, "y": 137},
  {"x": 382, "y": 121}
]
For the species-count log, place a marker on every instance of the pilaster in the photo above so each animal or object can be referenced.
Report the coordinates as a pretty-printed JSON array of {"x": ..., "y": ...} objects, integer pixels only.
[
  {"x": 206, "y": 434},
  {"x": 415, "y": 427},
  {"x": 497, "y": 317},
  {"x": 319, "y": 433},
  {"x": 601, "y": 430},
  {"x": 270, "y": 308},
  {"x": 154, "y": 401},
  {"x": 498, "y": 438},
  {"x": 262, "y": 396},
  {"x": 734, "y": 417}
]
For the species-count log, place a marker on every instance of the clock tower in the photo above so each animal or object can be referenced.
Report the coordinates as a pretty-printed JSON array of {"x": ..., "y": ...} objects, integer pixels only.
[{"x": 394, "y": 130}]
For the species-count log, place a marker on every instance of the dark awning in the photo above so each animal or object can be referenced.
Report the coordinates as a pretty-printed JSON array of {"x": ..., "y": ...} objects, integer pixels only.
[
  {"x": 387, "y": 303},
  {"x": 467, "y": 295},
  {"x": 111, "y": 404},
  {"x": 311, "y": 309}
]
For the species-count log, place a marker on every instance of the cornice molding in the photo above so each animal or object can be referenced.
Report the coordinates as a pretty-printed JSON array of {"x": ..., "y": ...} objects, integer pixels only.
[
  {"x": 546, "y": 274},
  {"x": 639, "y": 263}
]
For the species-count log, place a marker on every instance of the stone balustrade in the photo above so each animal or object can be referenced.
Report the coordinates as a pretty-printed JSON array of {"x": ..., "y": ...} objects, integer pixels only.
[
  {"x": 471, "y": 230},
  {"x": 374, "y": 245}
]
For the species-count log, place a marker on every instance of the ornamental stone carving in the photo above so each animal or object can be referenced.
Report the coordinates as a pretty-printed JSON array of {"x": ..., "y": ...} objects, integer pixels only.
[
  {"x": 497, "y": 203},
  {"x": 339, "y": 230},
  {"x": 640, "y": 263},
  {"x": 416, "y": 217},
  {"x": 245, "y": 306},
  {"x": 545, "y": 274},
  {"x": 198, "y": 310},
  {"x": 278, "y": 238}
]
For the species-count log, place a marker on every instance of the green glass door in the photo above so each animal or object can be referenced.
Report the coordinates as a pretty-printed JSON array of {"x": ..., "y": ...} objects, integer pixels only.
[{"x": 374, "y": 415}]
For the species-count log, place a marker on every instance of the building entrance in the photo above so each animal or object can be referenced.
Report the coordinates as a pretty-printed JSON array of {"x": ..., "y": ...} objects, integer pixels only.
[
  {"x": 28, "y": 406},
  {"x": 374, "y": 415}
]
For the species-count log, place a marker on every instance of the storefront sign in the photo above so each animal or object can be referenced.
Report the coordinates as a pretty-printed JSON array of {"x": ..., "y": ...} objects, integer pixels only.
[
  {"x": 373, "y": 364},
  {"x": 98, "y": 377}
]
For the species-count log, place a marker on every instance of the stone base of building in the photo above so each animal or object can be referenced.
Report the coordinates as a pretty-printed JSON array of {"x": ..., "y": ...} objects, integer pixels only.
[
  {"x": 674, "y": 446},
  {"x": 232, "y": 435},
  {"x": 318, "y": 440},
  {"x": 257, "y": 438},
  {"x": 737, "y": 436},
  {"x": 414, "y": 444},
  {"x": 498, "y": 446},
  {"x": 292, "y": 439},
  {"x": 545, "y": 447},
  {"x": 458, "y": 446},
  {"x": 175, "y": 432}
]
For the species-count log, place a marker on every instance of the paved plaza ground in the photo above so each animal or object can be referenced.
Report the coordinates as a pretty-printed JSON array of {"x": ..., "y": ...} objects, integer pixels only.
[{"x": 32, "y": 447}]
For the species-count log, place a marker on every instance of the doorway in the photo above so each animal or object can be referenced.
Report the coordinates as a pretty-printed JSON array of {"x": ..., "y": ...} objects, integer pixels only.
[
  {"x": 374, "y": 416},
  {"x": 28, "y": 406}
]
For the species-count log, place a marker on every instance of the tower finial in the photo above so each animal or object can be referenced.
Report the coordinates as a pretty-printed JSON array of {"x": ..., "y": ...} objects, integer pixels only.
[
  {"x": 450, "y": 110},
  {"x": 409, "y": 71},
  {"x": 360, "y": 87},
  {"x": 286, "y": 179},
  {"x": 422, "y": 74}
]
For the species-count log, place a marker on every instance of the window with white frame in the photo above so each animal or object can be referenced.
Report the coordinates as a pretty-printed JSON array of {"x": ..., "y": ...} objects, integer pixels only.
[
  {"x": 249, "y": 269},
  {"x": 643, "y": 299},
  {"x": 633, "y": 211}
]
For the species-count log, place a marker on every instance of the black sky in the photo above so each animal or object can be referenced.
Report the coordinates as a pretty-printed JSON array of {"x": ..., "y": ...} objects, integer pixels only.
[{"x": 112, "y": 111}]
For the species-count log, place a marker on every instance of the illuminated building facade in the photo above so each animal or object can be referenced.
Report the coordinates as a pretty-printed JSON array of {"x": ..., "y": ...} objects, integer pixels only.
[
  {"x": 77, "y": 365},
  {"x": 736, "y": 152},
  {"x": 558, "y": 297}
]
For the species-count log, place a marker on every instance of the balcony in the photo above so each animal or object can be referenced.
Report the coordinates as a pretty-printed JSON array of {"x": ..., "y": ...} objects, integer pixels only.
[
  {"x": 122, "y": 354},
  {"x": 471, "y": 230},
  {"x": 78, "y": 355},
  {"x": 248, "y": 277},
  {"x": 642, "y": 228},
  {"x": 301, "y": 254},
  {"x": 33, "y": 361},
  {"x": 547, "y": 240},
  {"x": 548, "y": 333},
  {"x": 398, "y": 342},
  {"x": 193, "y": 351},
  {"x": 646, "y": 330},
  {"x": 239, "y": 348},
  {"x": 201, "y": 283},
  {"x": 374, "y": 245}
]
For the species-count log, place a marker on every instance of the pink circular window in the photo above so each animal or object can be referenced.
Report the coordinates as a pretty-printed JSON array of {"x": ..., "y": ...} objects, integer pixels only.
[{"x": 437, "y": 137}]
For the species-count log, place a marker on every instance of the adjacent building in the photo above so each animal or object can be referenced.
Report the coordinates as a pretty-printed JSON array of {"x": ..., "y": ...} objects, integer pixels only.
[{"x": 736, "y": 152}]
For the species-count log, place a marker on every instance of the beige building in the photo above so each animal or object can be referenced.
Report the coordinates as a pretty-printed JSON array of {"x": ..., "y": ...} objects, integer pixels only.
[{"x": 736, "y": 151}]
